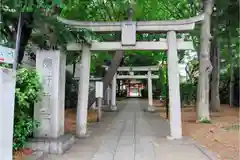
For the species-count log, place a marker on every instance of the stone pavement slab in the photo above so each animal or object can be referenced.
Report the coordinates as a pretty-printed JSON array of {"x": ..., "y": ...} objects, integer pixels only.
[{"x": 132, "y": 134}]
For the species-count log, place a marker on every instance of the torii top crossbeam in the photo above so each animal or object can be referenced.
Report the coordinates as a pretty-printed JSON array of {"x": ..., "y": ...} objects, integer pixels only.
[
  {"x": 141, "y": 26},
  {"x": 128, "y": 31},
  {"x": 139, "y": 68},
  {"x": 136, "y": 68}
]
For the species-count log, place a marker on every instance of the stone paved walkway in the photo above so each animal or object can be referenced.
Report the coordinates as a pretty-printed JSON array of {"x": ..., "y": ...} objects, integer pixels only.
[{"x": 132, "y": 134}]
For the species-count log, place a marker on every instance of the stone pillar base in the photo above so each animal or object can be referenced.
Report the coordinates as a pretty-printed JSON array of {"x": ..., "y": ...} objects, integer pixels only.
[
  {"x": 37, "y": 155},
  {"x": 151, "y": 109},
  {"x": 84, "y": 136},
  {"x": 113, "y": 108},
  {"x": 52, "y": 145},
  {"x": 173, "y": 138}
]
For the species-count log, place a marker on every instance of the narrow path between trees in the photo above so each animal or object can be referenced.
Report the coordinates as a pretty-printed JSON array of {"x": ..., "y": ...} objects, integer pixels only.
[{"x": 132, "y": 134}]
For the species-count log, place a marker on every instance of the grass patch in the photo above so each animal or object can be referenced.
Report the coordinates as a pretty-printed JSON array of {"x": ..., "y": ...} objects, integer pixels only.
[{"x": 234, "y": 127}]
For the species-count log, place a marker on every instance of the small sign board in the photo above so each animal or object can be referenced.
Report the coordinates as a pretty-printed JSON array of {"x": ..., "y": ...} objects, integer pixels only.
[
  {"x": 99, "y": 89},
  {"x": 6, "y": 55}
]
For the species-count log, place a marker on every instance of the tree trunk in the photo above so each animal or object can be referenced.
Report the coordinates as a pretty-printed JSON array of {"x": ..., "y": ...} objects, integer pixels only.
[
  {"x": 215, "y": 54},
  {"x": 205, "y": 65},
  {"x": 231, "y": 72},
  {"x": 112, "y": 68},
  {"x": 108, "y": 76},
  {"x": 74, "y": 69},
  {"x": 117, "y": 60},
  {"x": 25, "y": 34}
]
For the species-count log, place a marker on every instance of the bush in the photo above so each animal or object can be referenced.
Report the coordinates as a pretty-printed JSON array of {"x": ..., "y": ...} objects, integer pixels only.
[{"x": 27, "y": 93}]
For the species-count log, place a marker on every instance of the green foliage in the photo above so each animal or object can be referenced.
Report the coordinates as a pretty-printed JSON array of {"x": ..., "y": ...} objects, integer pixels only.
[
  {"x": 224, "y": 87},
  {"x": 233, "y": 127},
  {"x": 40, "y": 25},
  {"x": 5, "y": 65},
  {"x": 30, "y": 5},
  {"x": 23, "y": 128},
  {"x": 28, "y": 90},
  {"x": 188, "y": 93},
  {"x": 204, "y": 120}
]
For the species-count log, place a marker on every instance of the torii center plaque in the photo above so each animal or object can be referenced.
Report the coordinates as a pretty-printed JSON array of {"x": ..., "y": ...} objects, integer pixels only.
[{"x": 129, "y": 33}]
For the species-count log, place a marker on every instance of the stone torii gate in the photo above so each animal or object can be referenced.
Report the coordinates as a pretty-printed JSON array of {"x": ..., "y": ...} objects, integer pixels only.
[
  {"x": 128, "y": 41},
  {"x": 149, "y": 77}
]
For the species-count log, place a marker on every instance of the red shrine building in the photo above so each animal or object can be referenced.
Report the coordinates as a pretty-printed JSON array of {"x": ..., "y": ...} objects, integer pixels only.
[{"x": 134, "y": 88}]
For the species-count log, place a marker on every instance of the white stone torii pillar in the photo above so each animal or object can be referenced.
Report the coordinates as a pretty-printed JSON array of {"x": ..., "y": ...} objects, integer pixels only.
[
  {"x": 82, "y": 106},
  {"x": 150, "y": 98},
  {"x": 114, "y": 88},
  {"x": 174, "y": 89}
]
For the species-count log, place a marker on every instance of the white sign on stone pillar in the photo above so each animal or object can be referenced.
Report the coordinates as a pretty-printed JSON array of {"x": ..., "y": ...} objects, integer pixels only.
[
  {"x": 94, "y": 106},
  {"x": 99, "y": 96},
  {"x": 99, "y": 89},
  {"x": 7, "y": 98},
  {"x": 50, "y": 110},
  {"x": 114, "y": 88}
]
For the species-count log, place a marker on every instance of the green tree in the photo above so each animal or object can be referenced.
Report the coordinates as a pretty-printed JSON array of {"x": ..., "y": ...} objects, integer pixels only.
[{"x": 39, "y": 25}]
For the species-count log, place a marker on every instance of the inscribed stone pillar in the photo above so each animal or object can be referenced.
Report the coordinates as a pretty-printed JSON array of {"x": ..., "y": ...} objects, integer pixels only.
[
  {"x": 82, "y": 107},
  {"x": 7, "y": 96},
  {"x": 114, "y": 88},
  {"x": 150, "y": 98},
  {"x": 174, "y": 89},
  {"x": 50, "y": 66},
  {"x": 49, "y": 136}
]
